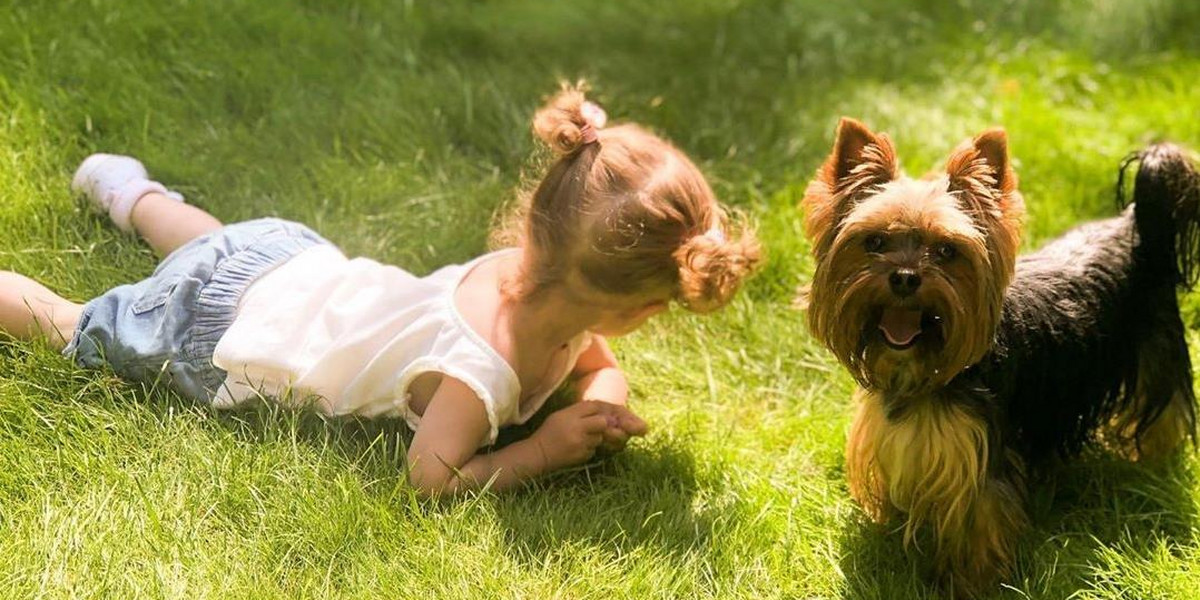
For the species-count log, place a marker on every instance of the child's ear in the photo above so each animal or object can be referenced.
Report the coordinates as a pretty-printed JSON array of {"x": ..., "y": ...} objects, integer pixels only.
[{"x": 860, "y": 162}]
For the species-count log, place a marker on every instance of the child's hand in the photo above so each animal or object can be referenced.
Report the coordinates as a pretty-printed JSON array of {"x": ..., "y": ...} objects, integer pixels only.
[
  {"x": 571, "y": 436},
  {"x": 622, "y": 424}
]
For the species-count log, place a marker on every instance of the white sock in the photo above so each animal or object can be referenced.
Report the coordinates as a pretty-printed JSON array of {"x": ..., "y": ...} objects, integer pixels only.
[
  {"x": 114, "y": 184},
  {"x": 124, "y": 198}
]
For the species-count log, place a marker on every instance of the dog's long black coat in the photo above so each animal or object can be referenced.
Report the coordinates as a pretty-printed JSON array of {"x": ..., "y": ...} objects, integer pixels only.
[{"x": 1093, "y": 317}]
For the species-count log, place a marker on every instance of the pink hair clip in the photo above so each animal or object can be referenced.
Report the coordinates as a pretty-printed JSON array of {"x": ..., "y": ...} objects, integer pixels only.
[{"x": 594, "y": 119}]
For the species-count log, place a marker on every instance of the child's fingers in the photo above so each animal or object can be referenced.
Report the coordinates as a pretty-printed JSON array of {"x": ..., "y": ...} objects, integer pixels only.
[
  {"x": 595, "y": 424},
  {"x": 615, "y": 436},
  {"x": 631, "y": 423}
]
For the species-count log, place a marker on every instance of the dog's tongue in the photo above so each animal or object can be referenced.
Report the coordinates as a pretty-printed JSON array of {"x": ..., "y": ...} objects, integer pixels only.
[{"x": 900, "y": 325}]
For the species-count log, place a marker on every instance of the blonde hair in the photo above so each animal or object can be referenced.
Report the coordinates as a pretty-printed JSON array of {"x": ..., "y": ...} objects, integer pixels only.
[{"x": 626, "y": 211}]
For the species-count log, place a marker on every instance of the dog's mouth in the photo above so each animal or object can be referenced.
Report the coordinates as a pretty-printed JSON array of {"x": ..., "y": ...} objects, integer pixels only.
[{"x": 902, "y": 328}]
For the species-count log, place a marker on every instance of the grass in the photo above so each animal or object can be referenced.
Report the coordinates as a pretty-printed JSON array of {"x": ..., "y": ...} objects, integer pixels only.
[{"x": 396, "y": 129}]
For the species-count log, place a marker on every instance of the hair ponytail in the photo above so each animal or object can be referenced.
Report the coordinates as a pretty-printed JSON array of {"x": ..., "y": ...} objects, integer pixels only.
[
  {"x": 712, "y": 268},
  {"x": 568, "y": 121}
]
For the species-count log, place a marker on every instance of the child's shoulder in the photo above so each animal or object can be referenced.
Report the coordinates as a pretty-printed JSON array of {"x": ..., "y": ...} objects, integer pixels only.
[{"x": 477, "y": 299}]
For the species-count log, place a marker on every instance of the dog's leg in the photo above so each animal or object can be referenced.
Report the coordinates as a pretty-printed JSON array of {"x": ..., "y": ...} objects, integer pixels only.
[
  {"x": 867, "y": 485},
  {"x": 978, "y": 549},
  {"x": 1161, "y": 415},
  {"x": 1168, "y": 432}
]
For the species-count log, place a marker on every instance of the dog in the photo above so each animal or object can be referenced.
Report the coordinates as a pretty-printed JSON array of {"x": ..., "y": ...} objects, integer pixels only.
[{"x": 978, "y": 368}]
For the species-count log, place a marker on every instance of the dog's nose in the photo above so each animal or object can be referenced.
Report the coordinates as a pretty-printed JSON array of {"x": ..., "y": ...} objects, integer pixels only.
[{"x": 904, "y": 282}]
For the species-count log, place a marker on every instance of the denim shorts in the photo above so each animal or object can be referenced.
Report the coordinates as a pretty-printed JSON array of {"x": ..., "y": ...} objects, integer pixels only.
[{"x": 164, "y": 328}]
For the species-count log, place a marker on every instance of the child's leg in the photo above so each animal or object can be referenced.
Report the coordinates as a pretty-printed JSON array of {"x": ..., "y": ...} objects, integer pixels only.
[
  {"x": 166, "y": 223},
  {"x": 120, "y": 186},
  {"x": 29, "y": 310}
]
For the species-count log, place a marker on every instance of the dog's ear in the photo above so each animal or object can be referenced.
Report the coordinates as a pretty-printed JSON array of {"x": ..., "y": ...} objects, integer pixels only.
[
  {"x": 981, "y": 176},
  {"x": 860, "y": 161},
  {"x": 861, "y": 155},
  {"x": 981, "y": 171}
]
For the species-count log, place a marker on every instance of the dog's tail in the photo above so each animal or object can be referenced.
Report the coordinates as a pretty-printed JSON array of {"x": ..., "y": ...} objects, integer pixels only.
[{"x": 1166, "y": 207}]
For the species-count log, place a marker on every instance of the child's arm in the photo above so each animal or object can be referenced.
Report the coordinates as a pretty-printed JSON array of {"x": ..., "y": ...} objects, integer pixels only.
[
  {"x": 443, "y": 460},
  {"x": 599, "y": 375},
  {"x": 601, "y": 379}
]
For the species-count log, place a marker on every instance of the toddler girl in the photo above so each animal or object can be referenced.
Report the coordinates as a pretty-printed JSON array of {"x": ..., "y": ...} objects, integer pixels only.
[{"x": 621, "y": 224}]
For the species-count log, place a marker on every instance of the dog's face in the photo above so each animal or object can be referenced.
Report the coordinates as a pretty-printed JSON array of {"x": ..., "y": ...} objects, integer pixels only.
[{"x": 910, "y": 274}]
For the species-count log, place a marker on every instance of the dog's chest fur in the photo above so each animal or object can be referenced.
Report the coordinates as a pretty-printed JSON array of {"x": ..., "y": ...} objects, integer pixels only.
[{"x": 927, "y": 456}]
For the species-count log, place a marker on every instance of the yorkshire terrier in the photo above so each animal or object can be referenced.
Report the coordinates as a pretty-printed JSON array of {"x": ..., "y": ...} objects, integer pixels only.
[{"x": 977, "y": 368}]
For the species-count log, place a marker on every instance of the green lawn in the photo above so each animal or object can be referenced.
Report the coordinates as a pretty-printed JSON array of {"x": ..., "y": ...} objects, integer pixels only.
[{"x": 396, "y": 129}]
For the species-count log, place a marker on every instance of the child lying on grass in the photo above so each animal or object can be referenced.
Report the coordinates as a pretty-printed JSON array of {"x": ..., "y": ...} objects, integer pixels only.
[{"x": 621, "y": 224}]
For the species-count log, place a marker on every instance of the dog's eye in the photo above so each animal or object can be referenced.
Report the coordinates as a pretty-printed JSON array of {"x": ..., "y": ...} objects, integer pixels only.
[
  {"x": 873, "y": 242},
  {"x": 947, "y": 251}
]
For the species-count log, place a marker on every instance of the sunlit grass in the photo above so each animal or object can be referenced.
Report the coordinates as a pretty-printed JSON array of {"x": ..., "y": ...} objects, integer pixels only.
[{"x": 396, "y": 129}]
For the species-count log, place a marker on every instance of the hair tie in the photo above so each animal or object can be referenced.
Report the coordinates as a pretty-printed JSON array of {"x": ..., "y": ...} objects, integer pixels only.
[
  {"x": 715, "y": 234},
  {"x": 588, "y": 134},
  {"x": 594, "y": 119}
]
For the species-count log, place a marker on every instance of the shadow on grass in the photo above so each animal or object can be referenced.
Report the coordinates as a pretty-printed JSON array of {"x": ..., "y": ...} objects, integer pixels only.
[
  {"x": 1078, "y": 510},
  {"x": 634, "y": 506},
  {"x": 631, "y": 506},
  {"x": 638, "y": 500}
]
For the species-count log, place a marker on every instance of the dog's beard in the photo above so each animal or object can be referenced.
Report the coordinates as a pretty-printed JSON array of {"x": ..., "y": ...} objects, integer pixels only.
[{"x": 903, "y": 347}]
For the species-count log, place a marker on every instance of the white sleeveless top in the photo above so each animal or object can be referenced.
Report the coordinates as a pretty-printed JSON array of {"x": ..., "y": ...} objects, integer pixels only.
[{"x": 356, "y": 333}]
